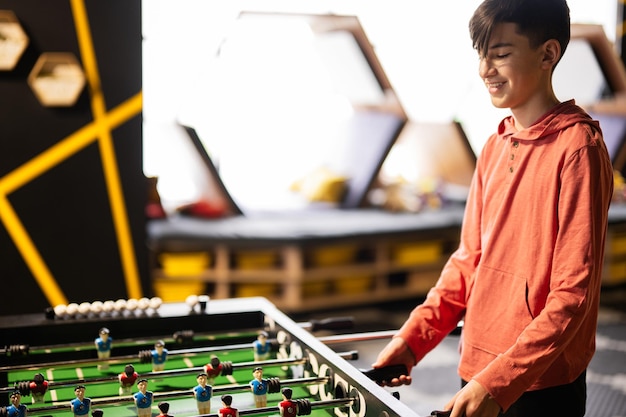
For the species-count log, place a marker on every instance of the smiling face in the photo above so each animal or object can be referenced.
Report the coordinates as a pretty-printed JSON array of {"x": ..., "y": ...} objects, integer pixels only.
[
  {"x": 512, "y": 70},
  {"x": 517, "y": 75}
]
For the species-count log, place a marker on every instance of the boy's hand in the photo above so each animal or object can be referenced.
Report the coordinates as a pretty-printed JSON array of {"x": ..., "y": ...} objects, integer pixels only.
[
  {"x": 473, "y": 400},
  {"x": 397, "y": 352}
]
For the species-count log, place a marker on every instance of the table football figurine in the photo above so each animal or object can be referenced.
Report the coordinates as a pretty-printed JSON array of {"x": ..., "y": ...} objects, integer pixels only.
[
  {"x": 38, "y": 387},
  {"x": 159, "y": 356},
  {"x": 213, "y": 369},
  {"x": 261, "y": 347},
  {"x": 104, "y": 343},
  {"x": 288, "y": 407},
  {"x": 259, "y": 387},
  {"x": 164, "y": 408},
  {"x": 143, "y": 399},
  {"x": 202, "y": 393},
  {"x": 80, "y": 405},
  {"x": 127, "y": 380},
  {"x": 227, "y": 409},
  {"x": 16, "y": 409}
]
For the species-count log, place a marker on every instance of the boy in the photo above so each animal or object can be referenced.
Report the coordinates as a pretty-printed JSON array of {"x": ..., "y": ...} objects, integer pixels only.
[{"x": 526, "y": 276}]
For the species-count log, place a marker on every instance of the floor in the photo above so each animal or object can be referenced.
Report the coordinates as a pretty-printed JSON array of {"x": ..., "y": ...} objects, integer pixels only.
[{"x": 435, "y": 380}]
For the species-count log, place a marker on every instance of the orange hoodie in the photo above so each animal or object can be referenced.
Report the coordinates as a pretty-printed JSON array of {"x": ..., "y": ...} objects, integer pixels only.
[{"x": 526, "y": 276}]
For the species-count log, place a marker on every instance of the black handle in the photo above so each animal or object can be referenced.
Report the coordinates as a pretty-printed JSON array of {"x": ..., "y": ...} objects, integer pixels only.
[
  {"x": 386, "y": 373},
  {"x": 441, "y": 413}
]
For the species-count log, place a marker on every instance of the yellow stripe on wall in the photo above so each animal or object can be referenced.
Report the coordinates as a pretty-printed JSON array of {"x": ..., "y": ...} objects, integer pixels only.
[
  {"x": 38, "y": 166},
  {"x": 105, "y": 141},
  {"x": 98, "y": 130},
  {"x": 31, "y": 256}
]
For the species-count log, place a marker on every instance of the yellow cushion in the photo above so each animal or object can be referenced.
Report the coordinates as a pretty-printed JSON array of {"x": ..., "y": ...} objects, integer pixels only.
[{"x": 322, "y": 185}]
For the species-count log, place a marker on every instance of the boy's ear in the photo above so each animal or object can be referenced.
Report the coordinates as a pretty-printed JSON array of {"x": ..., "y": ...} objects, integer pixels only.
[{"x": 551, "y": 53}]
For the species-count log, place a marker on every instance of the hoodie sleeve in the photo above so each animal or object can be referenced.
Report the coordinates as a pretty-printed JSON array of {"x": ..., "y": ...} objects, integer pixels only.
[{"x": 445, "y": 303}]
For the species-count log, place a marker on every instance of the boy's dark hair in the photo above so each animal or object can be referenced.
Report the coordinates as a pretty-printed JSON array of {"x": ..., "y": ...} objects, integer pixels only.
[
  {"x": 538, "y": 20},
  {"x": 227, "y": 399}
]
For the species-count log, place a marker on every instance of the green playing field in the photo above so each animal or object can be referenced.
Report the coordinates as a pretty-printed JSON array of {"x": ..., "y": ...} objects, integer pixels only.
[{"x": 175, "y": 389}]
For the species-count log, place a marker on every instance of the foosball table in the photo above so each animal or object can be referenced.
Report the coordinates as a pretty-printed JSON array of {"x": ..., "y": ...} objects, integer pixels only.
[{"x": 214, "y": 338}]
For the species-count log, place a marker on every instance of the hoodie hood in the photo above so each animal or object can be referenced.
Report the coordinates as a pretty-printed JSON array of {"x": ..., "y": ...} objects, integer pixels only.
[{"x": 556, "y": 119}]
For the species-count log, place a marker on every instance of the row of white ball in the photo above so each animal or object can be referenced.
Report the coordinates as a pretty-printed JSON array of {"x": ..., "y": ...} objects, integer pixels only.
[{"x": 97, "y": 307}]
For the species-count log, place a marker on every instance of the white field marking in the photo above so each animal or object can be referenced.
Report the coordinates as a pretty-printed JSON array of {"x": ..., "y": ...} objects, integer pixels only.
[
  {"x": 188, "y": 363},
  {"x": 53, "y": 393},
  {"x": 79, "y": 373}
]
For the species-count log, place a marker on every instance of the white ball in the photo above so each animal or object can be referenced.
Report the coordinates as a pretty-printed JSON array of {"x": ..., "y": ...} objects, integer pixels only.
[
  {"x": 72, "y": 309},
  {"x": 108, "y": 306},
  {"x": 143, "y": 303},
  {"x": 120, "y": 304},
  {"x": 96, "y": 307},
  {"x": 84, "y": 308},
  {"x": 192, "y": 300},
  {"x": 60, "y": 310},
  {"x": 131, "y": 304},
  {"x": 155, "y": 303}
]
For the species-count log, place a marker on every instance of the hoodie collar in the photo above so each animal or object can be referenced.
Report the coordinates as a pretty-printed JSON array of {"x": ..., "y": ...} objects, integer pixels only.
[{"x": 557, "y": 118}]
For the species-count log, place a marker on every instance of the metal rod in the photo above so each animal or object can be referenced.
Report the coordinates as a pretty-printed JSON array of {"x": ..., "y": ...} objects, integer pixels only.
[
  {"x": 176, "y": 394},
  {"x": 140, "y": 342},
  {"x": 357, "y": 337},
  {"x": 271, "y": 410},
  {"x": 333, "y": 323},
  {"x": 121, "y": 359},
  {"x": 185, "y": 352},
  {"x": 350, "y": 355}
]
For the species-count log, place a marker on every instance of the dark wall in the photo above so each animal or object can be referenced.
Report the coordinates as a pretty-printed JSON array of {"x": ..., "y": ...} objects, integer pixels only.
[{"x": 59, "y": 238}]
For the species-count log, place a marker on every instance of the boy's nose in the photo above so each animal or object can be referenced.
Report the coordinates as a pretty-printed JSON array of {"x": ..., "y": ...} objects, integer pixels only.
[{"x": 485, "y": 68}]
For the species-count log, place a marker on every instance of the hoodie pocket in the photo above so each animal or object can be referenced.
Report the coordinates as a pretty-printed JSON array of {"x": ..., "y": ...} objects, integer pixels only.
[{"x": 497, "y": 311}]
